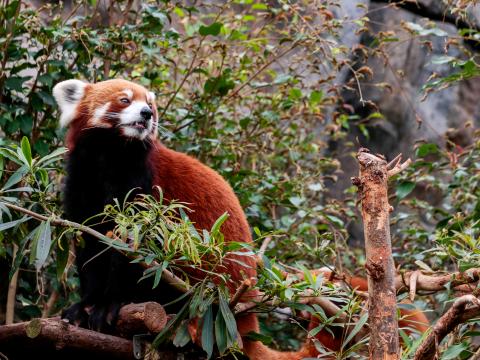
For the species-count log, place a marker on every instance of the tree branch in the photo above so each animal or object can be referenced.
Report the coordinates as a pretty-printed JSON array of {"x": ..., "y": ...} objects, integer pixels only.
[
  {"x": 446, "y": 324},
  {"x": 56, "y": 336}
]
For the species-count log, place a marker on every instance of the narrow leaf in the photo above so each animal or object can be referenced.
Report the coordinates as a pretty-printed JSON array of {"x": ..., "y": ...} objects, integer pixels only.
[
  {"x": 26, "y": 150},
  {"x": 221, "y": 335},
  {"x": 207, "y": 332},
  {"x": 43, "y": 245},
  {"x": 16, "y": 177},
  {"x": 13, "y": 223},
  {"x": 182, "y": 336},
  {"x": 62, "y": 258},
  {"x": 227, "y": 315},
  {"x": 357, "y": 328}
]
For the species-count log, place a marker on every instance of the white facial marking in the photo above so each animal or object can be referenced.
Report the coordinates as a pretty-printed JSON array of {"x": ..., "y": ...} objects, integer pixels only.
[
  {"x": 129, "y": 93},
  {"x": 68, "y": 95},
  {"x": 131, "y": 115},
  {"x": 151, "y": 96},
  {"x": 99, "y": 113}
]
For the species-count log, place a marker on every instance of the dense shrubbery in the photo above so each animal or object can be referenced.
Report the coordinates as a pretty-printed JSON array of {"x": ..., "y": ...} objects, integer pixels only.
[{"x": 253, "y": 91}]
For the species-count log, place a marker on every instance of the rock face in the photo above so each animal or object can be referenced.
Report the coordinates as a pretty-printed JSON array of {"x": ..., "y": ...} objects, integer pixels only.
[{"x": 409, "y": 118}]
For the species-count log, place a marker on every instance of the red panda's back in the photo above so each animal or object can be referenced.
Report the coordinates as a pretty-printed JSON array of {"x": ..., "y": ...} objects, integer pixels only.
[{"x": 185, "y": 179}]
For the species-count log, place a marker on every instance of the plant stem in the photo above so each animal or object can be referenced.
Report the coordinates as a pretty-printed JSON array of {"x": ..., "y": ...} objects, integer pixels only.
[{"x": 12, "y": 292}]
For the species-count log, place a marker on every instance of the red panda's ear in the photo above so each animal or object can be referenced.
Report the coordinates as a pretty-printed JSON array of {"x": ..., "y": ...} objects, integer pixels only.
[{"x": 68, "y": 95}]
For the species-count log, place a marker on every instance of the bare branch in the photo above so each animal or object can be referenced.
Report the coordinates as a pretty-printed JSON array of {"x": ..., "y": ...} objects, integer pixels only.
[
  {"x": 436, "y": 282},
  {"x": 244, "y": 286},
  {"x": 446, "y": 324},
  {"x": 399, "y": 168},
  {"x": 413, "y": 285}
]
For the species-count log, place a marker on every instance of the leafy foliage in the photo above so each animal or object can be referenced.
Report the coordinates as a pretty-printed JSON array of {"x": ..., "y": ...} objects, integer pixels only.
[{"x": 253, "y": 90}]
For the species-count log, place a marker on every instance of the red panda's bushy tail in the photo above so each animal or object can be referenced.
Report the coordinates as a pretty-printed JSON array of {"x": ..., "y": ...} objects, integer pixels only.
[{"x": 255, "y": 350}]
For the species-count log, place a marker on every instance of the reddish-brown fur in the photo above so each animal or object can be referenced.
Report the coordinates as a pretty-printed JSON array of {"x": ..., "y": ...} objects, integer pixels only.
[{"x": 183, "y": 178}]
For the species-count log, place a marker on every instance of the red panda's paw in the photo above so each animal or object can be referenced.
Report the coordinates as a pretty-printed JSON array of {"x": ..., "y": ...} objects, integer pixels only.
[{"x": 76, "y": 315}]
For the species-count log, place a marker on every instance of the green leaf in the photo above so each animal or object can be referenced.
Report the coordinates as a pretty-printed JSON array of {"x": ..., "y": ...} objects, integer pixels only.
[
  {"x": 424, "y": 32},
  {"x": 182, "y": 336},
  {"x": 227, "y": 314},
  {"x": 52, "y": 157},
  {"x": 158, "y": 274},
  {"x": 16, "y": 177},
  {"x": 43, "y": 245},
  {"x": 426, "y": 149},
  {"x": 221, "y": 335},
  {"x": 26, "y": 150},
  {"x": 357, "y": 328},
  {"x": 21, "y": 253},
  {"x": 207, "y": 332},
  {"x": 11, "y": 155},
  {"x": 15, "y": 82},
  {"x": 13, "y": 223},
  {"x": 315, "y": 97},
  {"x": 171, "y": 326},
  {"x": 213, "y": 29},
  {"x": 62, "y": 257},
  {"x": 218, "y": 223},
  {"x": 404, "y": 188},
  {"x": 454, "y": 351},
  {"x": 335, "y": 220},
  {"x": 296, "y": 200}
]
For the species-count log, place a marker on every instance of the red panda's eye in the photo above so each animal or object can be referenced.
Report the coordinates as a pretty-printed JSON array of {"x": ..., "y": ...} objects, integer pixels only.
[{"x": 125, "y": 101}]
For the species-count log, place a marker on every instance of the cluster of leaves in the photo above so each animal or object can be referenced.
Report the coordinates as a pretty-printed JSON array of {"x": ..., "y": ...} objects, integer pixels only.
[{"x": 158, "y": 235}]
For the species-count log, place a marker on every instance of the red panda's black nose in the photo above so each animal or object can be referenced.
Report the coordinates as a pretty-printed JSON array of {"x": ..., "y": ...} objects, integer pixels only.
[{"x": 146, "y": 113}]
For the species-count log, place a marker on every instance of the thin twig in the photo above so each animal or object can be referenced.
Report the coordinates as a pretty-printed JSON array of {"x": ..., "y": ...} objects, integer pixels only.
[
  {"x": 399, "y": 168},
  {"x": 262, "y": 68},
  {"x": 264, "y": 246},
  {"x": 244, "y": 286},
  {"x": 394, "y": 162}
]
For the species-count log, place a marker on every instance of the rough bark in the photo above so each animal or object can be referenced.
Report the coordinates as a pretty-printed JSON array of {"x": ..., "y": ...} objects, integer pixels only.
[
  {"x": 372, "y": 186},
  {"x": 141, "y": 318},
  {"x": 59, "y": 339},
  {"x": 58, "y": 335}
]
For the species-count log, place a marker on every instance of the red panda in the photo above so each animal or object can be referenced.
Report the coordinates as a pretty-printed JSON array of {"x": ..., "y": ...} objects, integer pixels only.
[{"x": 113, "y": 148}]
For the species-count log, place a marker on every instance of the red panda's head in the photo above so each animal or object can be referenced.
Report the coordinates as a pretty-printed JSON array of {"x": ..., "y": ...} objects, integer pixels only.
[{"x": 116, "y": 104}]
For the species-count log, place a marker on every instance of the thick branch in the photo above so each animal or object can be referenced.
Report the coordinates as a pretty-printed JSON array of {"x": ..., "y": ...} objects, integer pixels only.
[
  {"x": 382, "y": 305},
  {"x": 141, "y": 318},
  {"x": 58, "y": 335},
  {"x": 446, "y": 324},
  {"x": 437, "y": 282}
]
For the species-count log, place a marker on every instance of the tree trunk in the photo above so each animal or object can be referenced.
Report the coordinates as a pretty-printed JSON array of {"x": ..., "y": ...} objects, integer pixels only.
[{"x": 382, "y": 305}]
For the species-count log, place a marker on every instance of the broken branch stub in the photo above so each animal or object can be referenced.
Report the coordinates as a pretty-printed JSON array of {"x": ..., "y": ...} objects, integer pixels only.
[{"x": 382, "y": 308}]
